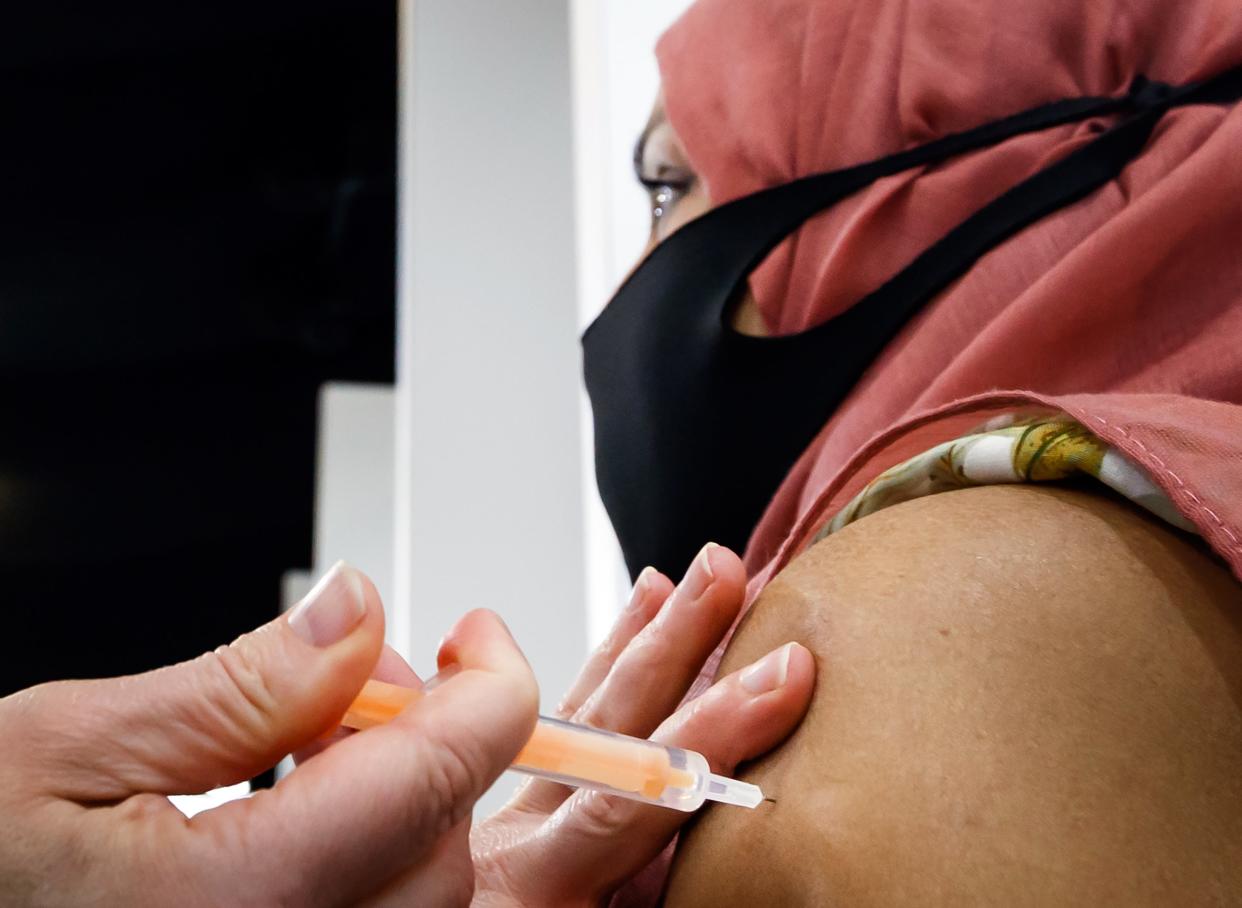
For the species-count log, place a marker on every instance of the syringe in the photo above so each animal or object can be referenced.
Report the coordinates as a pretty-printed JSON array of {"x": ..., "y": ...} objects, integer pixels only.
[{"x": 589, "y": 758}]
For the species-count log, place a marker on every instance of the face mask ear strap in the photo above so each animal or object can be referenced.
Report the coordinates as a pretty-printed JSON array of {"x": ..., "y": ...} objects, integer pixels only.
[
  {"x": 882, "y": 313},
  {"x": 712, "y": 255}
]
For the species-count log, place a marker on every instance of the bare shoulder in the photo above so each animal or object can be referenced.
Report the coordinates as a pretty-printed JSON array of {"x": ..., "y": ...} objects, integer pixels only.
[{"x": 1026, "y": 696}]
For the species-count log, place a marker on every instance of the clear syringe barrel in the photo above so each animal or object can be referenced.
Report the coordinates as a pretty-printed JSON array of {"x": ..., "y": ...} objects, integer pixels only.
[
  {"x": 587, "y": 757},
  {"x": 630, "y": 767}
]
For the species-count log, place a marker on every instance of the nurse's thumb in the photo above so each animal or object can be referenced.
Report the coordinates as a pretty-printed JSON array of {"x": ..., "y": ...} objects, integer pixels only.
[{"x": 225, "y": 716}]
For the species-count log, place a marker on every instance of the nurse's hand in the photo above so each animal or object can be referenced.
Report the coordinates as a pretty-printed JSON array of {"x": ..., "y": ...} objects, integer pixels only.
[
  {"x": 551, "y": 846},
  {"x": 84, "y": 766}
]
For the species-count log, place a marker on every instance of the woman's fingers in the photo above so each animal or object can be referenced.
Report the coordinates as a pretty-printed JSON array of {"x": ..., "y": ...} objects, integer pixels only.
[
  {"x": 652, "y": 674},
  {"x": 651, "y": 591},
  {"x": 600, "y": 840}
]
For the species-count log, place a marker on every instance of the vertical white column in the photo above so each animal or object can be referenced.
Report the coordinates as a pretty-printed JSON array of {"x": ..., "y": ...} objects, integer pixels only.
[
  {"x": 489, "y": 491},
  {"x": 399, "y": 610},
  {"x": 605, "y": 572}
]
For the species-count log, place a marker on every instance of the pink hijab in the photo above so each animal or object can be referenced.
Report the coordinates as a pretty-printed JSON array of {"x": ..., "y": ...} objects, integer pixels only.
[{"x": 1123, "y": 310}]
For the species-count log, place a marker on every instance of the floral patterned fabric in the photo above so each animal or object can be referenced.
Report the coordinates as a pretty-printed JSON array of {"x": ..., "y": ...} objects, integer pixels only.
[{"x": 1011, "y": 449}]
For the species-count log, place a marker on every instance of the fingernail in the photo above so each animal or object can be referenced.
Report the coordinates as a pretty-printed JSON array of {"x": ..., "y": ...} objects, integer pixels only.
[
  {"x": 641, "y": 586},
  {"x": 332, "y": 609},
  {"x": 699, "y": 577},
  {"x": 769, "y": 673}
]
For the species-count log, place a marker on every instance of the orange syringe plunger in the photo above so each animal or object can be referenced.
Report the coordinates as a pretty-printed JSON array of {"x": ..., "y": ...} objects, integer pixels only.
[
  {"x": 589, "y": 758},
  {"x": 378, "y": 702}
]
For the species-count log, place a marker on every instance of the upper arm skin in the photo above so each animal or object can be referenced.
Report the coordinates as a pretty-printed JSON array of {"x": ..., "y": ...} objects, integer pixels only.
[{"x": 1025, "y": 696}]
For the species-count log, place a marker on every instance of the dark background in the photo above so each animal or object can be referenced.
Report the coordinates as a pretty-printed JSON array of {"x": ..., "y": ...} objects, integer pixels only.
[{"x": 196, "y": 231}]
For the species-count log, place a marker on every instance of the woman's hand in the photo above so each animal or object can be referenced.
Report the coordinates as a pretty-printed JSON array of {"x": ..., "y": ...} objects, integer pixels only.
[
  {"x": 375, "y": 817},
  {"x": 554, "y": 846}
]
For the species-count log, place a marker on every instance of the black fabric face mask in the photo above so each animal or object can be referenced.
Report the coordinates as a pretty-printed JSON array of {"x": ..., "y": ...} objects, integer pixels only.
[{"x": 696, "y": 425}]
